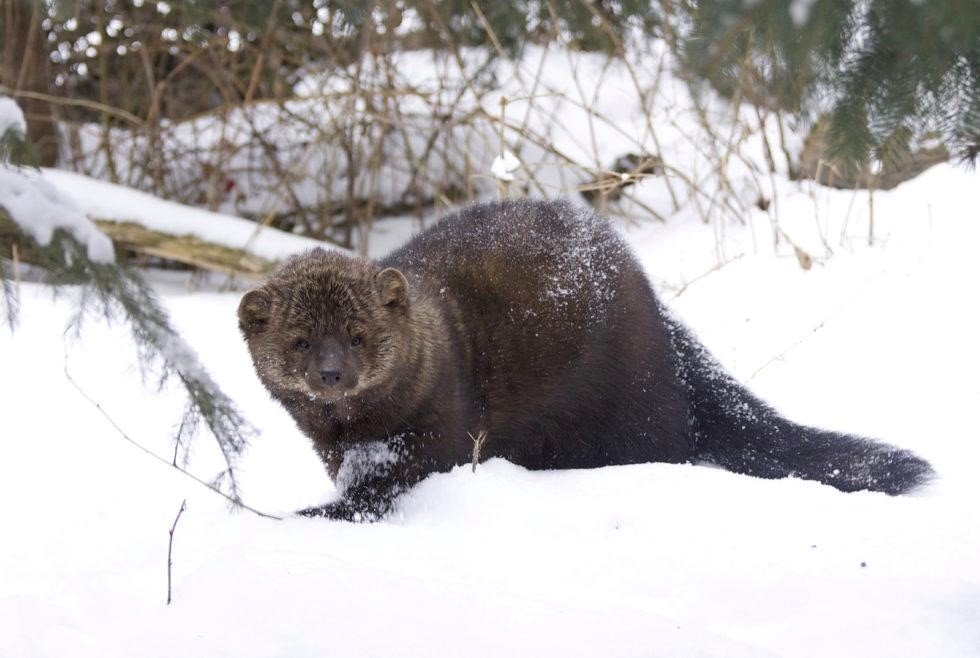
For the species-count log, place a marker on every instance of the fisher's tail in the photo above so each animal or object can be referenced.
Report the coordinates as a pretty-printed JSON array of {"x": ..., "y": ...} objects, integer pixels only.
[{"x": 734, "y": 429}]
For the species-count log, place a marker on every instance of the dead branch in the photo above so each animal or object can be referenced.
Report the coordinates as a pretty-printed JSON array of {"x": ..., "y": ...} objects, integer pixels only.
[
  {"x": 820, "y": 325},
  {"x": 680, "y": 291},
  {"x": 478, "y": 441},
  {"x": 186, "y": 249},
  {"x": 170, "y": 547}
]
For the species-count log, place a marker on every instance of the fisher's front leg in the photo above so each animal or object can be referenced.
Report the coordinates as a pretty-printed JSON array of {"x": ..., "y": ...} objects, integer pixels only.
[{"x": 372, "y": 476}]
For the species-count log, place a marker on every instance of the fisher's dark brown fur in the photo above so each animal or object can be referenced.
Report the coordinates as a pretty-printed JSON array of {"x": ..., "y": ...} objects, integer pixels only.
[{"x": 532, "y": 322}]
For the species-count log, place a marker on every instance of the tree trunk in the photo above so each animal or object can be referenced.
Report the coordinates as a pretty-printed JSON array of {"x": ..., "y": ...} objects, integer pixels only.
[{"x": 24, "y": 67}]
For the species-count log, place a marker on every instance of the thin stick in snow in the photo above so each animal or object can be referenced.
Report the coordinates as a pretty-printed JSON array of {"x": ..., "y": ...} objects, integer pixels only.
[
  {"x": 478, "y": 441},
  {"x": 503, "y": 189},
  {"x": 717, "y": 266},
  {"x": 871, "y": 215},
  {"x": 170, "y": 546},
  {"x": 816, "y": 328}
]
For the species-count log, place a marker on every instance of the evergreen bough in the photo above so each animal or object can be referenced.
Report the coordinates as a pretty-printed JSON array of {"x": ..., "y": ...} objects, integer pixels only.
[
  {"x": 115, "y": 291},
  {"x": 886, "y": 73}
]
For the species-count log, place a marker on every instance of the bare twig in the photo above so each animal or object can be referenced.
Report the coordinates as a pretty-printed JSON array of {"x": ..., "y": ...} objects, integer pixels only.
[
  {"x": 680, "y": 291},
  {"x": 237, "y": 502},
  {"x": 77, "y": 102},
  {"x": 503, "y": 187},
  {"x": 815, "y": 329},
  {"x": 170, "y": 547},
  {"x": 380, "y": 135},
  {"x": 478, "y": 441},
  {"x": 871, "y": 215}
]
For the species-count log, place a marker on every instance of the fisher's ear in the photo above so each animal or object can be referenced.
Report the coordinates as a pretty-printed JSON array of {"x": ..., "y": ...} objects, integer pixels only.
[
  {"x": 392, "y": 287},
  {"x": 254, "y": 311}
]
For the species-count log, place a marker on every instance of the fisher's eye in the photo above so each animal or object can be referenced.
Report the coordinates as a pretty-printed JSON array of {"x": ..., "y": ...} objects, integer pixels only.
[
  {"x": 302, "y": 344},
  {"x": 355, "y": 341}
]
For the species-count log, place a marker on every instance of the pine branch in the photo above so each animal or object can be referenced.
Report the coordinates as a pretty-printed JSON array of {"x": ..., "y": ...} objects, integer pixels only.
[
  {"x": 881, "y": 68},
  {"x": 16, "y": 149},
  {"x": 115, "y": 292}
]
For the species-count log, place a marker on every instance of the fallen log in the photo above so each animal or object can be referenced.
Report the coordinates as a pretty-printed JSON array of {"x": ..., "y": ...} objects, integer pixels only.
[
  {"x": 186, "y": 249},
  {"x": 135, "y": 238}
]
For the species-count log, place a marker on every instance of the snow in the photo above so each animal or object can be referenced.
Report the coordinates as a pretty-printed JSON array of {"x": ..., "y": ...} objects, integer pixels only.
[
  {"x": 308, "y": 134},
  {"x": 36, "y": 206},
  {"x": 50, "y": 199},
  {"x": 567, "y": 118},
  {"x": 504, "y": 166},
  {"x": 104, "y": 200},
  {"x": 40, "y": 209},
  {"x": 11, "y": 117},
  {"x": 643, "y": 560},
  {"x": 799, "y": 11}
]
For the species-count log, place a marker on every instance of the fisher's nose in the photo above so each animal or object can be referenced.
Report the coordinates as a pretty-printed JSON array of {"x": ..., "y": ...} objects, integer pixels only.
[
  {"x": 330, "y": 377},
  {"x": 325, "y": 365}
]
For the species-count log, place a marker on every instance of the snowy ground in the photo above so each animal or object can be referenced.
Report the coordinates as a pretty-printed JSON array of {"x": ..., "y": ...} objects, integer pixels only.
[{"x": 647, "y": 560}]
